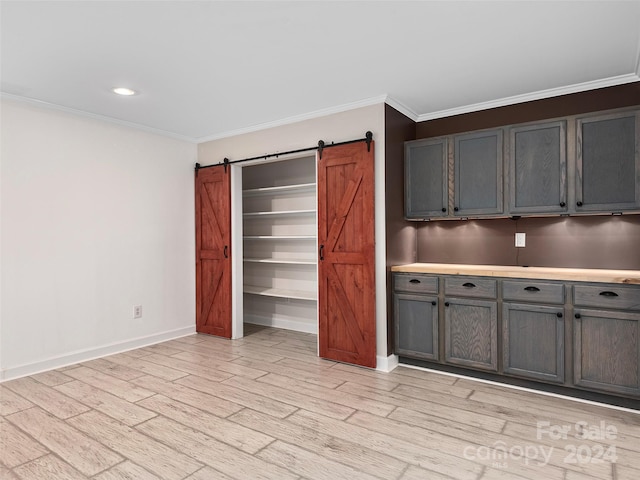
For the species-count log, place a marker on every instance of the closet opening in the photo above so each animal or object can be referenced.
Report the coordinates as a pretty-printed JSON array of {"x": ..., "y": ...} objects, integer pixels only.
[{"x": 279, "y": 244}]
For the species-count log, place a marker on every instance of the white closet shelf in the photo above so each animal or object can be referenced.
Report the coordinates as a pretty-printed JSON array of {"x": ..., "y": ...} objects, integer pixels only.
[
  {"x": 292, "y": 261},
  {"x": 300, "y": 187},
  {"x": 279, "y": 237},
  {"x": 280, "y": 292},
  {"x": 281, "y": 212}
]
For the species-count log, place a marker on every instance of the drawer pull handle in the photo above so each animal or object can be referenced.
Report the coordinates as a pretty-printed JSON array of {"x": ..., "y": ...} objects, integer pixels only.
[
  {"x": 414, "y": 280},
  {"x": 433, "y": 302},
  {"x": 532, "y": 289},
  {"x": 469, "y": 285},
  {"x": 607, "y": 293}
]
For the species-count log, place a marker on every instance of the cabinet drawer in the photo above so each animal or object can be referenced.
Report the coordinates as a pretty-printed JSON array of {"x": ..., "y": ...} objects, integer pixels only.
[
  {"x": 607, "y": 296},
  {"x": 537, "y": 292},
  {"x": 470, "y": 287},
  {"x": 416, "y": 283}
]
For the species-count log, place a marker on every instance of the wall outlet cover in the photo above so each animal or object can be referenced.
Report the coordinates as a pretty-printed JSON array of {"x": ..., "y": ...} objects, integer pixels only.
[{"x": 520, "y": 239}]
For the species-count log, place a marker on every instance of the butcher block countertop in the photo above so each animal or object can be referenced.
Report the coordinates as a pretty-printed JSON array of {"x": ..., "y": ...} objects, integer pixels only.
[{"x": 631, "y": 277}]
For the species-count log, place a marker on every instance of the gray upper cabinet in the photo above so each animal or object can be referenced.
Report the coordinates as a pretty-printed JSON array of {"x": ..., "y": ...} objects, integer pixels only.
[
  {"x": 478, "y": 174},
  {"x": 573, "y": 165},
  {"x": 607, "y": 163},
  {"x": 426, "y": 184},
  {"x": 538, "y": 169}
]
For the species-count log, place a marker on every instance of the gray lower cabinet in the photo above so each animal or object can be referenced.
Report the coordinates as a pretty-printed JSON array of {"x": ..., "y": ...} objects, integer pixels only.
[
  {"x": 416, "y": 321},
  {"x": 608, "y": 163},
  {"x": 606, "y": 337},
  {"x": 606, "y": 352},
  {"x": 577, "y": 334},
  {"x": 415, "y": 304},
  {"x": 533, "y": 341},
  {"x": 470, "y": 332}
]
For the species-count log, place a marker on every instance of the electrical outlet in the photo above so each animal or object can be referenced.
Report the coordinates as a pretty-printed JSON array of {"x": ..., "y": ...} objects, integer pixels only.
[
  {"x": 520, "y": 239},
  {"x": 137, "y": 311}
]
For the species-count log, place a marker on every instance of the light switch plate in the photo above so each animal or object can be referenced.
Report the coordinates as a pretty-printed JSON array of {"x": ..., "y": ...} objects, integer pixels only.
[{"x": 520, "y": 239}]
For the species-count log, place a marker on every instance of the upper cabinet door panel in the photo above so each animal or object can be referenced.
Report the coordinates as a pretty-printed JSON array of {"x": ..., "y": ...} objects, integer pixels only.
[
  {"x": 478, "y": 173},
  {"x": 538, "y": 169},
  {"x": 425, "y": 171},
  {"x": 607, "y": 163}
]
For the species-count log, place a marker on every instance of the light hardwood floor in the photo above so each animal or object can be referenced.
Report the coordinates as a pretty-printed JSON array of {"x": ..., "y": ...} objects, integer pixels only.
[{"x": 266, "y": 407}]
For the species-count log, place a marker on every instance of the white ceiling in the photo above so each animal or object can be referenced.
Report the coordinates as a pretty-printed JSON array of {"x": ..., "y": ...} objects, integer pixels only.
[{"x": 208, "y": 69}]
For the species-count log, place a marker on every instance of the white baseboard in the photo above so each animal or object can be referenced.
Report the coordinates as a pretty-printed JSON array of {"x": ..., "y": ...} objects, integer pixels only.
[
  {"x": 386, "y": 364},
  {"x": 277, "y": 322},
  {"x": 92, "y": 353}
]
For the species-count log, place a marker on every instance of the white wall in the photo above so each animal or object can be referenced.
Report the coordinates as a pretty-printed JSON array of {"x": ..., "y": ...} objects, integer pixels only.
[
  {"x": 96, "y": 218},
  {"x": 338, "y": 127}
]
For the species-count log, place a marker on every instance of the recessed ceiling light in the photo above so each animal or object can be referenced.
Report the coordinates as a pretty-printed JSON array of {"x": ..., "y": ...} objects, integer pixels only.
[{"x": 124, "y": 91}]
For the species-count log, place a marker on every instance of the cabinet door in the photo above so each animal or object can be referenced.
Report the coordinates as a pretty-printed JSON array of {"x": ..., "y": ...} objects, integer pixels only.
[
  {"x": 608, "y": 163},
  {"x": 533, "y": 341},
  {"x": 478, "y": 174},
  {"x": 416, "y": 320},
  {"x": 538, "y": 169},
  {"x": 425, "y": 179},
  {"x": 607, "y": 351},
  {"x": 471, "y": 333}
]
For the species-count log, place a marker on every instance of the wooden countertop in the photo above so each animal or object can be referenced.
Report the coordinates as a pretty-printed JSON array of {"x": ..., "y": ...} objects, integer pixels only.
[{"x": 541, "y": 273}]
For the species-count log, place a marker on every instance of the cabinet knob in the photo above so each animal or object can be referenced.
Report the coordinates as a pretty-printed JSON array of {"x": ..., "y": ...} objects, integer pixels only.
[
  {"x": 446, "y": 304},
  {"x": 444, "y": 209},
  {"x": 579, "y": 204},
  {"x": 559, "y": 315},
  {"x": 577, "y": 315},
  {"x": 562, "y": 204},
  {"x": 433, "y": 302},
  {"x": 455, "y": 209}
]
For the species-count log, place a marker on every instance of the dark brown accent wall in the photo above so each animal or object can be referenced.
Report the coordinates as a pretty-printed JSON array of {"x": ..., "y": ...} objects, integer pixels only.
[
  {"x": 611, "y": 242},
  {"x": 400, "y": 234},
  {"x": 581, "y": 242},
  {"x": 564, "y": 105}
]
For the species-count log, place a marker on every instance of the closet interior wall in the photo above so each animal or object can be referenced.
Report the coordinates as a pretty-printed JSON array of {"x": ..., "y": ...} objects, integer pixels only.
[{"x": 280, "y": 244}]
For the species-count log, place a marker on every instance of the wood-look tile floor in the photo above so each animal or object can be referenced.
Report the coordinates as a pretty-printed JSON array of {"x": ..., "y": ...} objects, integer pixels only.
[{"x": 266, "y": 407}]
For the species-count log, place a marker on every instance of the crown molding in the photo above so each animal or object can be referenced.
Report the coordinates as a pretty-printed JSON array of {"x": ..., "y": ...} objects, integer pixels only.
[
  {"x": 296, "y": 118},
  {"x": 528, "y": 97},
  {"x": 402, "y": 108},
  {"x": 94, "y": 116}
]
